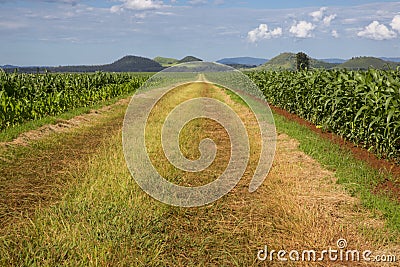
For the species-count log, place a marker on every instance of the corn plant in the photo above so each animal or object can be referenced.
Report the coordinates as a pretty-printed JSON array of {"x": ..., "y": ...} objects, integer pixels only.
[
  {"x": 361, "y": 106},
  {"x": 25, "y": 97}
]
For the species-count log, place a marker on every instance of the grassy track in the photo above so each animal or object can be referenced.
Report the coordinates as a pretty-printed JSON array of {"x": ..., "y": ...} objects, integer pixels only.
[
  {"x": 38, "y": 173},
  {"x": 356, "y": 176},
  {"x": 11, "y": 133},
  {"x": 105, "y": 219}
]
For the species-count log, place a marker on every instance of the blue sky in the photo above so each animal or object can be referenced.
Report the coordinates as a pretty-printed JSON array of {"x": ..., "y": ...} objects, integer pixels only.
[{"x": 71, "y": 32}]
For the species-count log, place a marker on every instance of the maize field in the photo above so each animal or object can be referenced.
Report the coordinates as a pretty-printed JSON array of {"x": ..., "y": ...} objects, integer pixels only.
[
  {"x": 361, "y": 106},
  {"x": 25, "y": 97}
]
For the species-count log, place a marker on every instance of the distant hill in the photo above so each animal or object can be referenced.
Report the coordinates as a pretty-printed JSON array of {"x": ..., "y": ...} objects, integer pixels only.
[
  {"x": 189, "y": 59},
  {"x": 363, "y": 63},
  {"x": 125, "y": 64},
  {"x": 333, "y": 60},
  {"x": 392, "y": 59},
  {"x": 318, "y": 64},
  {"x": 240, "y": 66},
  {"x": 133, "y": 64},
  {"x": 165, "y": 61},
  {"x": 282, "y": 61},
  {"x": 8, "y": 67},
  {"x": 247, "y": 61},
  {"x": 288, "y": 61}
]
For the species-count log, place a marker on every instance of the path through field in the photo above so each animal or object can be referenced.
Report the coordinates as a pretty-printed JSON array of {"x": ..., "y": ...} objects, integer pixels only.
[{"x": 87, "y": 210}]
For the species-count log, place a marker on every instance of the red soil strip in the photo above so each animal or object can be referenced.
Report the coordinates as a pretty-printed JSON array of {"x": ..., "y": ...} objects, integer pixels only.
[{"x": 386, "y": 187}]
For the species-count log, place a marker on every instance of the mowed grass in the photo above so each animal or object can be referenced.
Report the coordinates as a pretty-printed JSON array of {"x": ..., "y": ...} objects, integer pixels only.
[
  {"x": 191, "y": 135},
  {"x": 356, "y": 176},
  {"x": 105, "y": 219},
  {"x": 11, "y": 133}
]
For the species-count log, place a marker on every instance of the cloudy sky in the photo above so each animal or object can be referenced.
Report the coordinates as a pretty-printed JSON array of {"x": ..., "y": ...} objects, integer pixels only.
[{"x": 68, "y": 32}]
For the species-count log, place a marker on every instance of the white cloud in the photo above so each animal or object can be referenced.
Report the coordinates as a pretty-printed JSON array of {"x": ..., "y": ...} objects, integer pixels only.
[
  {"x": 396, "y": 23},
  {"x": 349, "y": 21},
  {"x": 262, "y": 32},
  {"x": 328, "y": 19},
  {"x": 335, "y": 34},
  {"x": 69, "y": 2},
  {"x": 71, "y": 39},
  {"x": 303, "y": 29},
  {"x": 10, "y": 25},
  {"x": 317, "y": 15},
  {"x": 140, "y": 15},
  {"x": 137, "y": 5},
  {"x": 377, "y": 31},
  {"x": 116, "y": 9},
  {"x": 198, "y": 2},
  {"x": 164, "y": 13}
]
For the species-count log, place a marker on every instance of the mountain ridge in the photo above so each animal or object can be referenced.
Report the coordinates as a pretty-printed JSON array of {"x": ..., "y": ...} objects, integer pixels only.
[
  {"x": 363, "y": 63},
  {"x": 127, "y": 63},
  {"x": 286, "y": 60},
  {"x": 189, "y": 59},
  {"x": 249, "y": 61}
]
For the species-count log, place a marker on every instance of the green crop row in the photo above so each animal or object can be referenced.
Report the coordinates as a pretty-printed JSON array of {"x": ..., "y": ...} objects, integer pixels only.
[
  {"x": 25, "y": 97},
  {"x": 361, "y": 106}
]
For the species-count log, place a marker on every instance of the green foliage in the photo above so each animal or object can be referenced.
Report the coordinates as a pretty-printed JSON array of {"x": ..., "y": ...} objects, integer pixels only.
[
  {"x": 302, "y": 61},
  {"x": 26, "y": 97},
  {"x": 361, "y": 106}
]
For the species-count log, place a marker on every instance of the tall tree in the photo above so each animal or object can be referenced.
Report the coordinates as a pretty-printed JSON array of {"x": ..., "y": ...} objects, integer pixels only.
[{"x": 302, "y": 61}]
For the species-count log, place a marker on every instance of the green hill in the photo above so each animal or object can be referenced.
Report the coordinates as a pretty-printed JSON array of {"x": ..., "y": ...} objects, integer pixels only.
[
  {"x": 125, "y": 64},
  {"x": 287, "y": 61},
  {"x": 168, "y": 62},
  {"x": 132, "y": 64},
  {"x": 282, "y": 61},
  {"x": 189, "y": 59},
  {"x": 319, "y": 64},
  {"x": 165, "y": 61},
  {"x": 363, "y": 63}
]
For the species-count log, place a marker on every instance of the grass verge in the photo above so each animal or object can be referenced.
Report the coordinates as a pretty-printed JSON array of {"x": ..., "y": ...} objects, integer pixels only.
[
  {"x": 11, "y": 133},
  {"x": 39, "y": 173},
  {"x": 355, "y": 175}
]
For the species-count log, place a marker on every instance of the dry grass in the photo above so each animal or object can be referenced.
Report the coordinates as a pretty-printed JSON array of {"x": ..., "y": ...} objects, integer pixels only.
[{"x": 36, "y": 167}]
